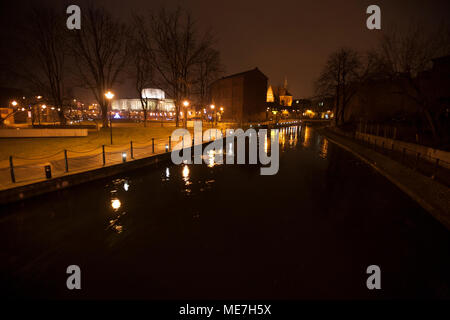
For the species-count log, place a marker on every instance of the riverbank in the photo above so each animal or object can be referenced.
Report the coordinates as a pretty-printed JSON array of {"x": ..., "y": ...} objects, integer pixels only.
[{"x": 431, "y": 195}]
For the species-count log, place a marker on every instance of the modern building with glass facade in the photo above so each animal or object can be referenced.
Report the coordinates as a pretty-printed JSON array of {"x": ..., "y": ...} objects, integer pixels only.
[{"x": 156, "y": 100}]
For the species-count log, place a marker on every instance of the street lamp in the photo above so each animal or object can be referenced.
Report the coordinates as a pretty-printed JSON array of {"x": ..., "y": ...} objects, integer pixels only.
[
  {"x": 14, "y": 103},
  {"x": 212, "y": 114},
  {"x": 109, "y": 95},
  {"x": 185, "y": 104},
  {"x": 221, "y": 114}
]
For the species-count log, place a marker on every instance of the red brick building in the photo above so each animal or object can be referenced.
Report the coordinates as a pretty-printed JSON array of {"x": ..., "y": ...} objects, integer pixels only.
[{"x": 242, "y": 96}]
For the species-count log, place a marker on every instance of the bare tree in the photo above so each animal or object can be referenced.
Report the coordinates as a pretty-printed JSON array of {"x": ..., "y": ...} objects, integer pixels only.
[
  {"x": 404, "y": 56},
  {"x": 143, "y": 70},
  {"x": 208, "y": 70},
  {"x": 178, "y": 48},
  {"x": 342, "y": 70},
  {"x": 45, "y": 69},
  {"x": 99, "y": 48}
]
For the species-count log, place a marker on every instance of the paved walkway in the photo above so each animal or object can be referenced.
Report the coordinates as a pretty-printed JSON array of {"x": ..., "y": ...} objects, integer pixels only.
[
  {"x": 32, "y": 170},
  {"x": 431, "y": 195},
  {"x": 28, "y": 170}
]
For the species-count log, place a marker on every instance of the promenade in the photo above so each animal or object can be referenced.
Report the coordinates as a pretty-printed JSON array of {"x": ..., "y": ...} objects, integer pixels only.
[{"x": 29, "y": 156}]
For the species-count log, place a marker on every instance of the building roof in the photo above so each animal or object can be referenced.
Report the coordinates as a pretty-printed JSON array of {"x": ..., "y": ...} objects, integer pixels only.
[{"x": 243, "y": 73}]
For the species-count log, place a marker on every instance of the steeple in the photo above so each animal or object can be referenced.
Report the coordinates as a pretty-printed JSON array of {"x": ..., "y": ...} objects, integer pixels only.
[{"x": 285, "y": 83}]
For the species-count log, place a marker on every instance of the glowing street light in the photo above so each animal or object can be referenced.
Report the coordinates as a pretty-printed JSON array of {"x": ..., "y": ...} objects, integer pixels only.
[
  {"x": 186, "y": 103},
  {"x": 212, "y": 107},
  {"x": 14, "y": 103},
  {"x": 109, "y": 95},
  {"x": 44, "y": 106}
]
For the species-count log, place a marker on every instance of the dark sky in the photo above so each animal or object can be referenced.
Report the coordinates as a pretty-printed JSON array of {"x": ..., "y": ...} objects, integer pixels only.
[
  {"x": 289, "y": 38},
  {"x": 293, "y": 38}
]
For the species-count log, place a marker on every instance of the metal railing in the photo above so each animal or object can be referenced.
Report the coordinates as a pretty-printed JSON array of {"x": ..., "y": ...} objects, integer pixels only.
[
  {"x": 69, "y": 161},
  {"x": 433, "y": 167}
]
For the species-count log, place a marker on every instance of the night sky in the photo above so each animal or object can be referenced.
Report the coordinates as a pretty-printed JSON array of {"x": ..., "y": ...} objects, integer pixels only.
[{"x": 287, "y": 38}]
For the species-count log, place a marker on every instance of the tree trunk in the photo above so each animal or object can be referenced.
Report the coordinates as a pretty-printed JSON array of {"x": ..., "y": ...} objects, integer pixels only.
[
  {"x": 177, "y": 116},
  {"x": 336, "y": 104},
  {"x": 145, "y": 117},
  {"x": 432, "y": 126},
  {"x": 105, "y": 115},
  {"x": 62, "y": 118}
]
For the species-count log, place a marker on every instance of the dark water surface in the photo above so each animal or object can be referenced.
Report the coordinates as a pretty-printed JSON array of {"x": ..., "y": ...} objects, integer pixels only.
[{"x": 225, "y": 231}]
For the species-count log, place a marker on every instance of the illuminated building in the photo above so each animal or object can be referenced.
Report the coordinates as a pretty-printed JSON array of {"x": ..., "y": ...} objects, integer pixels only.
[
  {"x": 156, "y": 101},
  {"x": 242, "y": 95}
]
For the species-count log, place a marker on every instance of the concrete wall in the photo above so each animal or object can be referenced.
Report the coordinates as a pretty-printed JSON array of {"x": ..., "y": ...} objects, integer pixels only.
[
  {"x": 40, "y": 133},
  {"x": 427, "y": 153}
]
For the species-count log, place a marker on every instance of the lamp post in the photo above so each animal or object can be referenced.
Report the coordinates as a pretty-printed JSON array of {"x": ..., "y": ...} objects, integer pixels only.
[
  {"x": 221, "y": 114},
  {"x": 185, "y": 104},
  {"x": 212, "y": 114},
  {"x": 109, "y": 95}
]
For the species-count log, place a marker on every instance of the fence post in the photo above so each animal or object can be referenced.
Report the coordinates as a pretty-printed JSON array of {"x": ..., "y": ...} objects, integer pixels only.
[
  {"x": 11, "y": 168},
  {"x": 417, "y": 160},
  {"x": 436, "y": 165},
  {"x": 153, "y": 145},
  {"x": 170, "y": 143},
  {"x": 131, "y": 149},
  {"x": 67, "y": 161},
  {"x": 103, "y": 153}
]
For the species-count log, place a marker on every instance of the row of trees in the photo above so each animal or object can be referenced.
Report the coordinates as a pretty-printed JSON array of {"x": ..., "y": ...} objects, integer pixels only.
[
  {"x": 398, "y": 58},
  {"x": 162, "y": 50}
]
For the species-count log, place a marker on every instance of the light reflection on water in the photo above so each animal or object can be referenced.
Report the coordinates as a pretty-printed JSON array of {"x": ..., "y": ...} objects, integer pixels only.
[
  {"x": 114, "y": 223},
  {"x": 324, "y": 148},
  {"x": 307, "y": 137},
  {"x": 147, "y": 224},
  {"x": 289, "y": 137}
]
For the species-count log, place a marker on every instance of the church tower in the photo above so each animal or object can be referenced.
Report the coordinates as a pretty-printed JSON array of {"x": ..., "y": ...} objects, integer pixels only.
[{"x": 285, "y": 96}]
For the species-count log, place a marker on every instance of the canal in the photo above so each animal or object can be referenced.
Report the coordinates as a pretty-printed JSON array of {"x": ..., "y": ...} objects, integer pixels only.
[{"x": 224, "y": 231}]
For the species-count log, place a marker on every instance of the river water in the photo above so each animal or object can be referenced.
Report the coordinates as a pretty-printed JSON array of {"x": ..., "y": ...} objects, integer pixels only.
[{"x": 224, "y": 231}]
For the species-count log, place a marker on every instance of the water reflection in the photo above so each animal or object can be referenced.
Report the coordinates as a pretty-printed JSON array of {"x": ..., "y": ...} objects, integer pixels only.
[
  {"x": 323, "y": 148},
  {"x": 115, "y": 204},
  {"x": 118, "y": 185},
  {"x": 214, "y": 158},
  {"x": 186, "y": 173},
  {"x": 288, "y": 137},
  {"x": 307, "y": 137}
]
